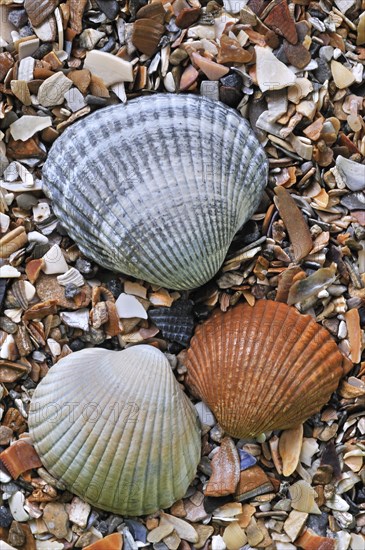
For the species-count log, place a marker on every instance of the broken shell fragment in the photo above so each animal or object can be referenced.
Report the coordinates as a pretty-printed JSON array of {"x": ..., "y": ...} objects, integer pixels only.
[
  {"x": 166, "y": 210},
  {"x": 119, "y": 443},
  {"x": 266, "y": 350}
]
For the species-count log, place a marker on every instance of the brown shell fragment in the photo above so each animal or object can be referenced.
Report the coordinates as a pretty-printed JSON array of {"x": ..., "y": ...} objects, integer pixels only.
[
  {"x": 146, "y": 35},
  {"x": 280, "y": 20},
  {"x": 272, "y": 367},
  {"x": 39, "y": 10},
  {"x": 226, "y": 470},
  {"x": 11, "y": 371},
  {"x": 20, "y": 457},
  {"x": 295, "y": 223}
]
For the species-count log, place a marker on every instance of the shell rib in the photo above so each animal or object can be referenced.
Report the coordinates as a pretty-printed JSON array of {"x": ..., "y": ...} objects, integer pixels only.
[
  {"x": 157, "y": 188},
  {"x": 116, "y": 428},
  {"x": 264, "y": 367}
]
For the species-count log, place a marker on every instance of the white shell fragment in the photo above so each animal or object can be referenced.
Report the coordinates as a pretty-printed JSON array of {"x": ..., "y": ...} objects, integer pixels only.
[
  {"x": 352, "y": 172},
  {"x": 157, "y": 188},
  {"x": 76, "y": 319},
  {"x": 71, "y": 277},
  {"x": 26, "y": 126},
  {"x": 272, "y": 74},
  {"x": 54, "y": 261},
  {"x": 116, "y": 429},
  {"x": 128, "y": 306},
  {"x": 110, "y": 68}
]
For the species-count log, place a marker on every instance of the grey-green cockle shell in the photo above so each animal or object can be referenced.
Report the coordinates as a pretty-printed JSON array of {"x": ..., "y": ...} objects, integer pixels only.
[
  {"x": 157, "y": 188},
  {"x": 116, "y": 429}
]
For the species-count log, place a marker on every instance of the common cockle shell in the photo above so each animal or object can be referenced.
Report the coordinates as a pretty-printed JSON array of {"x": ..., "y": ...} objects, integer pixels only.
[
  {"x": 116, "y": 429},
  {"x": 157, "y": 188},
  {"x": 264, "y": 367}
]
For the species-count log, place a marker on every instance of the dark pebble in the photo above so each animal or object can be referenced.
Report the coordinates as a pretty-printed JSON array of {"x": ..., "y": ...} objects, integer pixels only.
[
  {"x": 115, "y": 287},
  {"x": 280, "y": 54},
  {"x": 94, "y": 336},
  {"x": 318, "y": 523},
  {"x": 201, "y": 311},
  {"x": 18, "y": 18},
  {"x": 29, "y": 384},
  {"x": 85, "y": 267},
  {"x": 323, "y": 72},
  {"x": 77, "y": 345},
  {"x": 230, "y": 96},
  {"x": 61, "y": 230},
  {"x": 5, "y": 517},
  {"x": 109, "y": 7},
  {"x": 96, "y": 101},
  {"x": 354, "y": 509},
  {"x": 43, "y": 50},
  {"x": 137, "y": 529},
  {"x": 40, "y": 250},
  {"x": 232, "y": 81},
  {"x": 3, "y": 287},
  {"x": 360, "y": 498},
  {"x": 71, "y": 290},
  {"x": 26, "y": 31}
]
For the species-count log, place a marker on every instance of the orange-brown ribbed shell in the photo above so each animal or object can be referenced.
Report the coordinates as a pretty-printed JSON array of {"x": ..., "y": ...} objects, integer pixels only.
[{"x": 264, "y": 367}]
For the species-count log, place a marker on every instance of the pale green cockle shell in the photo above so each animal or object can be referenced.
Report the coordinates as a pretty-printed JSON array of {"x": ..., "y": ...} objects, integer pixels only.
[{"x": 116, "y": 429}]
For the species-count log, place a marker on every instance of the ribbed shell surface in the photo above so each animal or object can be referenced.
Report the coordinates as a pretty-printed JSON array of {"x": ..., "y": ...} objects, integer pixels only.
[
  {"x": 157, "y": 188},
  {"x": 264, "y": 367},
  {"x": 116, "y": 428}
]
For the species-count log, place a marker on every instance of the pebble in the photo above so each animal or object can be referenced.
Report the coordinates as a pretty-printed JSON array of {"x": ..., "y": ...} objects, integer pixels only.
[
  {"x": 322, "y": 72},
  {"x": 16, "y": 505},
  {"x": 79, "y": 512},
  {"x": 110, "y": 68},
  {"x": 204, "y": 532},
  {"x": 128, "y": 306},
  {"x": 51, "y": 92},
  {"x": 56, "y": 519},
  {"x": 54, "y": 261}
]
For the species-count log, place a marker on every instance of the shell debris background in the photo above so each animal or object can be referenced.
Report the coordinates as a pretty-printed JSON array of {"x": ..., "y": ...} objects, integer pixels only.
[{"x": 307, "y": 128}]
